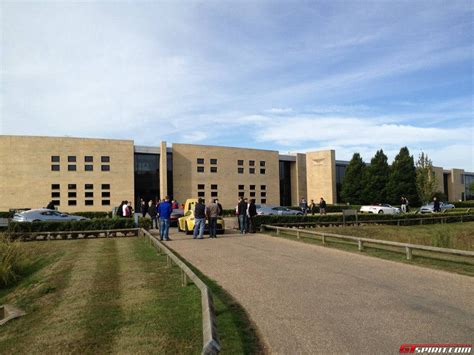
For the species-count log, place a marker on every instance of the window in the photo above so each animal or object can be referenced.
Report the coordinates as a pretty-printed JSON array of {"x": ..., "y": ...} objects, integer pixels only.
[
  {"x": 252, "y": 193},
  {"x": 251, "y": 170},
  {"x": 105, "y": 186},
  {"x": 88, "y": 158},
  {"x": 105, "y": 202},
  {"x": 71, "y": 186},
  {"x": 89, "y": 194},
  {"x": 241, "y": 194},
  {"x": 213, "y": 187},
  {"x": 89, "y": 186},
  {"x": 201, "y": 186},
  {"x": 262, "y": 163},
  {"x": 200, "y": 160},
  {"x": 240, "y": 162},
  {"x": 251, "y": 162},
  {"x": 201, "y": 194},
  {"x": 262, "y": 171},
  {"x": 240, "y": 170},
  {"x": 71, "y": 158},
  {"x": 263, "y": 187},
  {"x": 55, "y": 187},
  {"x": 89, "y": 167},
  {"x": 55, "y": 194},
  {"x": 252, "y": 187},
  {"x": 105, "y": 167},
  {"x": 105, "y": 159},
  {"x": 264, "y": 200},
  {"x": 71, "y": 168},
  {"x": 200, "y": 169},
  {"x": 213, "y": 193},
  {"x": 54, "y": 167},
  {"x": 72, "y": 202},
  {"x": 56, "y": 202},
  {"x": 263, "y": 194},
  {"x": 55, "y": 158},
  {"x": 213, "y": 169},
  {"x": 105, "y": 193},
  {"x": 241, "y": 187},
  {"x": 71, "y": 194},
  {"x": 89, "y": 202},
  {"x": 213, "y": 161}
]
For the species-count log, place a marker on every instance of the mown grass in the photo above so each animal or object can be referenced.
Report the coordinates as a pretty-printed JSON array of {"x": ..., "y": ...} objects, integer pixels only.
[{"x": 453, "y": 235}]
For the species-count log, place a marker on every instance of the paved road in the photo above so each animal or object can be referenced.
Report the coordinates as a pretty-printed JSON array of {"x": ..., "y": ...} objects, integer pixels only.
[{"x": 308, "y": 299}]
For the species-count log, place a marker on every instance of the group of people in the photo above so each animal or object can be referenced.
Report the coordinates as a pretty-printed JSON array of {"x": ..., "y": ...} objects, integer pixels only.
[
  {"x": 125, "y": 209},
  {"x": 403, "y": 204},
  {"x": 313, "y": 207},
  {"x": 246, "y": 212},
  {"x": 211, "y": 212}
]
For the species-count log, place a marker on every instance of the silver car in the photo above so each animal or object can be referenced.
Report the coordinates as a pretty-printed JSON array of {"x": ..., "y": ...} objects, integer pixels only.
[
  {"x": 263, "y": 210},
  {"x": 429, "y": 208},
  {"x": 45, "y": 215}
]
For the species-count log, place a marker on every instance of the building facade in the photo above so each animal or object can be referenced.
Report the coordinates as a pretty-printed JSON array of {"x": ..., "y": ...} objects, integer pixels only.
[{"x": 82, "y": 174}]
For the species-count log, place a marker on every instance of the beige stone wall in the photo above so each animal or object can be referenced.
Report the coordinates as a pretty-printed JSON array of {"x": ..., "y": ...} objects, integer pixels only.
[
  {"x": 163, "y": 171},
  {"x": 456, "y": 185},
  {"x": 438, "y": 171},
  {"x": 298, "y": 180},
  {"x": 321, "y": 175},
  {"x": 26, "y": 176},
  {"x": 186, "y": 178}
]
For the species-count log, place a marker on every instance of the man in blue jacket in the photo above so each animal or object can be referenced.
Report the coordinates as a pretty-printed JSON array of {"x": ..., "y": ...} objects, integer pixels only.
[{"x": 164, "y": 210}]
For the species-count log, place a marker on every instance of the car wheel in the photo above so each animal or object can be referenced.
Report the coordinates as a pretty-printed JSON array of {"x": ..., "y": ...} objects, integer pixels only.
[
  {"x": 186, "y": 229},
  {"x": 380, "y": 212},
  {"x": 36, "y": 220}
]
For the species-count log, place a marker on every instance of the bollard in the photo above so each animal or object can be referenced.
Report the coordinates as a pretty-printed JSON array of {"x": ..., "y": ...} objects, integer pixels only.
[
  {"x": 409, "y": 254},
  {"x": 361, "y": 245}
]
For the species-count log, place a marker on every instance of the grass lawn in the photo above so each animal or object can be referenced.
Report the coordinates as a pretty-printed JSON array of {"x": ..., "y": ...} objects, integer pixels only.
[{"x": 451, "y": 235}]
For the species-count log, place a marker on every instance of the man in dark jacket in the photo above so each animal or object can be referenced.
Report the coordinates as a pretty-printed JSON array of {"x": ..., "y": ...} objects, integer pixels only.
[
  {"x": 252, "y": 212},
  {"x": 164, "y": 210},
  {"x": 436, "y": 205},
  {"x": 199, "y": 219},
  {"x": 242, "y": 212}
]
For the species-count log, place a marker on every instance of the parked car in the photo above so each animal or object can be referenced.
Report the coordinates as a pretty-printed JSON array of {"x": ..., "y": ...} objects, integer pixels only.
[
  {"x": 263, "y": 210},
  {"x": 175, "y": 215},
  {"x": 429, "y": 208},
  {"x": 45, "y": 215},
  {"x": 186, "y": 223},
  {"x": 382, "y": 208}
]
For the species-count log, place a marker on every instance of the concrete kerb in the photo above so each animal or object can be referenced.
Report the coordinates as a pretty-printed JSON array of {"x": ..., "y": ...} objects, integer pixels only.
[{"x": 211, "y": 343}]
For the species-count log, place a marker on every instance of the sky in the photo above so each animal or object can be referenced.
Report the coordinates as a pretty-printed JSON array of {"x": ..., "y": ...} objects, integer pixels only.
[{"x": 292, "y": 76}]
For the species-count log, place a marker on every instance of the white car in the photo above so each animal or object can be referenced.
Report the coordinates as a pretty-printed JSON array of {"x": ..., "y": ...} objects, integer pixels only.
[{"x": 382, "y": 208}]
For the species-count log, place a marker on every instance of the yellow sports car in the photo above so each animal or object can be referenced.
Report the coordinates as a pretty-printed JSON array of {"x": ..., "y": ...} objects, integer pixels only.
[{"x": 186, "y": 223}]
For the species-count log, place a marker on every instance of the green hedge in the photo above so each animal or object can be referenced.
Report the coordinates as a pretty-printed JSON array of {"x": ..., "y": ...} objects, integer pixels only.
[
  {"x": 4, "y": 214},
  {"x": 464, "y": 204},
  {"x": 93, "y": 215}
]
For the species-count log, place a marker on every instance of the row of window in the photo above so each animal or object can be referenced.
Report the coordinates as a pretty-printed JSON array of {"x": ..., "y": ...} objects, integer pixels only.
[
  {"x": 86, "y": 202},
  {"x": 87, "y": 159},
  {"x": 201, "y": 161},
  {"x": 251, "y": 171},
  {"x": 252, "y": 187},
  {"x": 203, "y": 194},
  {"x": 70, "y": 167},
  {"x": 200, "y": 169},
  {"x": 202, "y": 186},
  {"x": 251, "y": 163},
  {"x": 74, "y": 186},
  {"x": 56, "y": 194}
]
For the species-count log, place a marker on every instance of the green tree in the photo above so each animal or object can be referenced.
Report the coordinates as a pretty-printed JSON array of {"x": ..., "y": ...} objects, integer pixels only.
[
  {"x": 353, "y": 184},
  {"x": 426, "y": 181},
  {"x": 402, "y": 181},
  {"x": 377, "y": 177}
]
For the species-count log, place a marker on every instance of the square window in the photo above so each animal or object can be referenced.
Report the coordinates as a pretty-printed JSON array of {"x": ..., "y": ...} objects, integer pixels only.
[
  {"x": 213, "y": 193},
  {"x": 105, "y": 193},
  {"x": 213, "y": 169},
  {"x": 241, "y": 187},
  {"x": 55, "y": 158},
  {"x": 71, "y": 186},
  {"x": 240, "y": 162},
  {"x": 55, "y": 194},
  {"x": 105, "y": 202},
  {"x": 201, "y": 186},
  {"x": 105, "y": 168},
  {"x": 89, "y": 167},
  {"x": 213, "y": 187},
  {"x": 262, "y": 171},
  {"x": 105, "y": 186},
  {"x": 71, "y": 168},
  {"x": 252, "y": 193},
  {"x": 71, "y": 202},
  {"x": 71, "y": 194},
  {"x": 251, "y": 162},
  {"x": 54, "y": 167},
  {"x": 251, "y": 170},
  {"x": 263, "y": 194},
  {"x": 89, "y": 194},
  {"x": 200, "y": 160},
  {"x": 241, "y": 194},
  {"x": 54, "y": 186},
  {"x": 89, "y": 202},
  {"x": 71, "y": 158},
  {"x": 56, "y": 202},
  {"x": 200, "y": 169},
  {"x": 262, "y": 163},
  {"x": 89, "y": 186},
  {"x": 213, "y": 161},
  {"x": 105, "y": 159},
  {"x": 252, "y": 187},
  {"x": 201, "y": 194},
  {"x": 240, "y": 170},
  {"x": 88, "y": 158},
  {"x": 264, "y": 200},
  {"x": 263, "y": 187}
]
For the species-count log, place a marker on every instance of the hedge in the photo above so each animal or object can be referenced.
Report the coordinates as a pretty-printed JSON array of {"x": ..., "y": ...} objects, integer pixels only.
[
  {"x": 330, "y": 208},
  {"x": 465, "y": 204}
]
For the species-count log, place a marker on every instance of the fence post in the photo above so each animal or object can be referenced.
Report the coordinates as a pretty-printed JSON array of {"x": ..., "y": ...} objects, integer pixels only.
[
  {"x": 409, "y": 254},
  {"x": 361, "y": 245},
  {"x": 262, "y": 228},
  {"x": 278, "y": 231},
  {"x": 421, "y": 221},
  {"x": 298, "y": 234},
  {"x": 184, "y": 278},
  {"x": 323, "y": 238}
]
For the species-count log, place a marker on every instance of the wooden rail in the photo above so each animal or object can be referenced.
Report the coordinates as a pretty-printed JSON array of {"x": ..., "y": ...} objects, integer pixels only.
[
  {"x": 360, "y": 242},
  {"x": 211, "y": 343},
  {"x": 32, "y": 236}
]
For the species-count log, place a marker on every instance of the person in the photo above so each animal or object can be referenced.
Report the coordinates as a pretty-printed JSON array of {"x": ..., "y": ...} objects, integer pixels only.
[
  {"x": 145, "y": 208},
  {"x": 304, "y": 206},
  {"x": 174, "y": 204},
  {"x": 237, "y": 211},
  {"x": 403, "y": 204},
  {"x": 212, "y": 212},
  {"x": 322, "y": 206},
  {"x": 242, "y": 213},
  {"x": 407, "y": 205},
  {"x": 125, "y": 209},
  {"x": 251, "y": 213},
  {"x": 436, "y": 205},
  {"x": 153, "y": 214},
  {"x": 199, "y": 219},
  {"x": 164, "y": 210},
  {"x": 220, "y": 206},
  {"x": 142, "y": 207},
  {"x": 130, "y": 209},
  {"x": 120, "y": 209},
  {"x": 312, "y": 207},
  {"x": 50, "y": 206}
]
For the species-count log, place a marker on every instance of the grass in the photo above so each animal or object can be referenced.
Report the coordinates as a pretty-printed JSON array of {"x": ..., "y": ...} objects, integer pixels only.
[{"x": 453, "y": 235}]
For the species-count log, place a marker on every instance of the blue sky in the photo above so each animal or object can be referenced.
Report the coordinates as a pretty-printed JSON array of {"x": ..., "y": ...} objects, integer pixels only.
[{"x": 294, "y": 76}]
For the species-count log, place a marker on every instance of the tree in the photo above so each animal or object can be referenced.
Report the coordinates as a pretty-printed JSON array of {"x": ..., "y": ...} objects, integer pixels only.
[
  {"x": 377, "y": 177},
  {"x": 426, "y": 181},
  {"x": 402, "y": 181},
  {"x": 352, "y": 189}
]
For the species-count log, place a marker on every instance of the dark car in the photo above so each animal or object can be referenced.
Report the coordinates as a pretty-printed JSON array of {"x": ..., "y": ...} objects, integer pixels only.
[{"x": 175, "y": 215}]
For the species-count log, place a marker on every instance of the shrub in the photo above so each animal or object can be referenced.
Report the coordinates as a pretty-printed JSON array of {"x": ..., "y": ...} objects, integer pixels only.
[
  {"x": 144, "y": 223},
  {"x": 4, "y": 214},
  {"x": 12, "y": 262},
  {"x": 465, "y": 204},
  {"x": 93, "y": 215}
]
